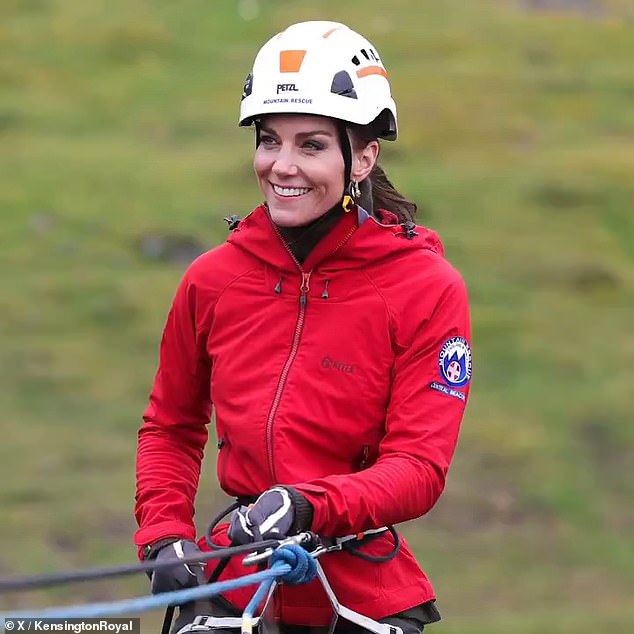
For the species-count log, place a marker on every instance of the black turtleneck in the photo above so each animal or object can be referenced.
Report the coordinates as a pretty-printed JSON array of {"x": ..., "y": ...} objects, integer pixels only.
[{"x": 302, "y": 240}]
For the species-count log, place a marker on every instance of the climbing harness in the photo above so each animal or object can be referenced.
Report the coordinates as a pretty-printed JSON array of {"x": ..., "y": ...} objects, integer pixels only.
[{"x": 292, "y": 560}]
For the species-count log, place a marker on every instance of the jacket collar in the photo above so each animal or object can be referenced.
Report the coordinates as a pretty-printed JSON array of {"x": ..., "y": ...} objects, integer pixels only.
[
  {"x": 346, "y": 246},
  {"x": 258, "y": 234}
]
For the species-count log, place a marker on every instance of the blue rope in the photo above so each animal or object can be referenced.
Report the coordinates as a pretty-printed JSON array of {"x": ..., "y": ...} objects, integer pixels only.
[
  {"x": 284, "y": 565},
  {"x": 303, "y": 567},
  {"x": 145, "y": 604},
  {"x": 258, "y": 597},
  {"x": 300, "y": 566}
]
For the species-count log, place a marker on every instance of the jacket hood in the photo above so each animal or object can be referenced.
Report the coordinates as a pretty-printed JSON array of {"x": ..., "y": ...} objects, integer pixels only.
[{"x": 354, "y": 242}]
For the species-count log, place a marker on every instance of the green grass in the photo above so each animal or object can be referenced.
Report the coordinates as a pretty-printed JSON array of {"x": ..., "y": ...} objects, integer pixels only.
[{"x": 118, "y": 120}]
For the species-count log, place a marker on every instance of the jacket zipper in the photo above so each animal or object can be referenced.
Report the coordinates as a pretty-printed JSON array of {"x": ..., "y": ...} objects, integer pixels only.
[{"x": 299, "y": 327}]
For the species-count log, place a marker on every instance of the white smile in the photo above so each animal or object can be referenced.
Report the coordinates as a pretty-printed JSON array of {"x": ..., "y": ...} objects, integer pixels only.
[{"x": 290, "y": 191}]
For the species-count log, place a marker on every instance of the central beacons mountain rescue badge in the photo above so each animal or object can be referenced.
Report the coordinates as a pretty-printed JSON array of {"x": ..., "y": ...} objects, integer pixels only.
[{"x": 454, "y": 362}]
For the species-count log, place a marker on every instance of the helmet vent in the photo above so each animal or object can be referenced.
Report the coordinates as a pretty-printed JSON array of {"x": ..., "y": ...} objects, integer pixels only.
[
  {"x": 248, "y": 86},
  {"x": 370, "y": 56},
  {"x": 342, "y": 85}
]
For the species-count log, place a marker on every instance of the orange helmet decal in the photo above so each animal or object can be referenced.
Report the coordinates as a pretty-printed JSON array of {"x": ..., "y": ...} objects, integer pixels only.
[
  {"x": 371, "y": 70},
  {"x": 291, "y": 61}
]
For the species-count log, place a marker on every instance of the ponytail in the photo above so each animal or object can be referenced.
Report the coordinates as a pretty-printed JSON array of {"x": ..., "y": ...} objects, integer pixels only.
[
  {"x": 377, "y": 191},
  {"x": 386, "y": 196}
]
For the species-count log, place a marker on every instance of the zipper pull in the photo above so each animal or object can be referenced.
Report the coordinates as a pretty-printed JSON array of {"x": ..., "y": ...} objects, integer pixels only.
[
  {"x": 364, "y": 457},
  {"x": 324, "y": 295},
  {"x": 304, "y": 288}
]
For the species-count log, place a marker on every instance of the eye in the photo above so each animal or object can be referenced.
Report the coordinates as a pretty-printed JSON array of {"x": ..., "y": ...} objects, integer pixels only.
[
  {"x": 313, "y": 145},
  {"x": 267, "y": 139}
]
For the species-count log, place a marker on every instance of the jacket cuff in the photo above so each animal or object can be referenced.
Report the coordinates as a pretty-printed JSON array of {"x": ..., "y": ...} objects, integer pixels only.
[
  {"x": 151, "y": 550},
  {"x": 161, "y": 530},
  {"x": 303, "y": 511}
]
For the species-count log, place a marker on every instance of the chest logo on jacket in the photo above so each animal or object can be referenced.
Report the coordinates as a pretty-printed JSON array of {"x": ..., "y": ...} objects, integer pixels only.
[
  {"x": 454, "y": 362},
  {"x": 328, "y": 363}
]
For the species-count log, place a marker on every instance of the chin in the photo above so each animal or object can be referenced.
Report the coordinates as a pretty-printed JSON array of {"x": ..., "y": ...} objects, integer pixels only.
[{"x": 288, "y": 218}]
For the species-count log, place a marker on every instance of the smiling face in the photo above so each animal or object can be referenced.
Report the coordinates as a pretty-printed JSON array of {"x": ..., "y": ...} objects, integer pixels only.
[{"x": 299, "y": 166}]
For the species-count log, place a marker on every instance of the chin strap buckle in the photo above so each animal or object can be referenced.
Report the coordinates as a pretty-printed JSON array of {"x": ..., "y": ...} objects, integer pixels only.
[
  {"x": 347, "y": 203},
  {"x": 409, "y": 230},
  {"x": 233, "y": 221}
]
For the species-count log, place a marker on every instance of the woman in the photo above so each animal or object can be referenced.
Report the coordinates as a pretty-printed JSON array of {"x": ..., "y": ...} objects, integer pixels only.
[{"x": 331, "y": 337}]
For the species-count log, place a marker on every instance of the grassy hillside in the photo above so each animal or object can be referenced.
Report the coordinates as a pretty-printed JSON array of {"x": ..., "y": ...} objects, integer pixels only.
[{"x": 119, "y": 156}]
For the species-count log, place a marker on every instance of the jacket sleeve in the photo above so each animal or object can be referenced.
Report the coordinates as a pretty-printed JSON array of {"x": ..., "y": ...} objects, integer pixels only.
[
  {"x": 422, "y": 423},
  {"x": 173, "y": 435}
]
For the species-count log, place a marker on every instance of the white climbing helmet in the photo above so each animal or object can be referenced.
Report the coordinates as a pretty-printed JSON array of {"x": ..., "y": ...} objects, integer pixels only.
[{"x": 320, "y": 68}]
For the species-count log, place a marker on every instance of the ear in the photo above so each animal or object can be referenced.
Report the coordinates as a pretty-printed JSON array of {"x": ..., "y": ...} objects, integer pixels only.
[{"x": 363, "y": 161}]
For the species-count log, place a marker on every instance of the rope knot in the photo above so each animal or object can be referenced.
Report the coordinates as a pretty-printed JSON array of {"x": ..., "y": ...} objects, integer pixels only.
[{"x": 303, "y": 566}]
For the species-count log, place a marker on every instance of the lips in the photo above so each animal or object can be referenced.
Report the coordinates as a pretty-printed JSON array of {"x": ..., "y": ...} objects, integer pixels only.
[{"x": 289, "y": 192}]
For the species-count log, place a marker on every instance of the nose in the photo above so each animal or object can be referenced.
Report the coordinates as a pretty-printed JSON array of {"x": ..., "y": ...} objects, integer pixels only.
[{"x": 285, "y": 163}]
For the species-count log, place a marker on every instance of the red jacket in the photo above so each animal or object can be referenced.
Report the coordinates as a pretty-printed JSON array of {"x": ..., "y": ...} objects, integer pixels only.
[{"x": 346, "y": 378}]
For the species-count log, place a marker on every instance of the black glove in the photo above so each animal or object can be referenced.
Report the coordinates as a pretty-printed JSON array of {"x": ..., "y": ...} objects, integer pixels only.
[
  {"x": 180, "y": 575},
  {"x": 277, "y": 513}
]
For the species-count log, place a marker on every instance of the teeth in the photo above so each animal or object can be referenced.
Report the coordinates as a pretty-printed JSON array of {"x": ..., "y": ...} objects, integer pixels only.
[{"x": 290, "y": 191}]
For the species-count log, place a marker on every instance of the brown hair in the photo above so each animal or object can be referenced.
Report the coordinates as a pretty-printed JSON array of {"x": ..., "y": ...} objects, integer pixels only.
[{"x": 377, "y": 191}]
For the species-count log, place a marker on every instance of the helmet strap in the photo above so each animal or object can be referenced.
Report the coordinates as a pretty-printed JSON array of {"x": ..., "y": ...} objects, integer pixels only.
[{"x": 348, "y": 200}]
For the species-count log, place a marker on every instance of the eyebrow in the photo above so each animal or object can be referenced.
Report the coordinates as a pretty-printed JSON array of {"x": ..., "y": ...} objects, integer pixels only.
[{"x": 300, "y": 134}]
